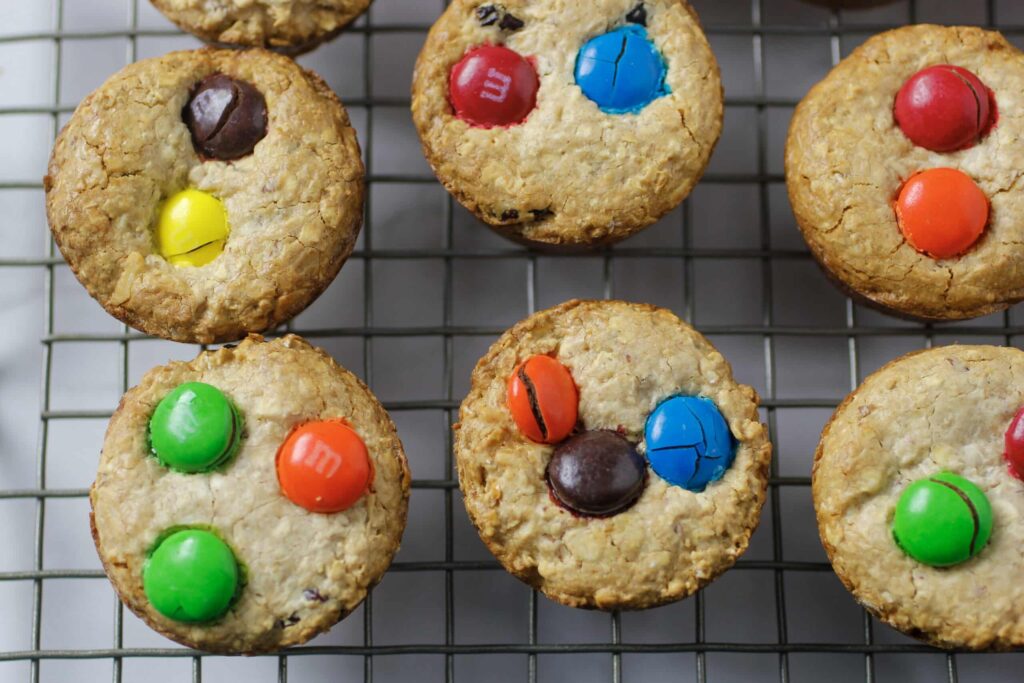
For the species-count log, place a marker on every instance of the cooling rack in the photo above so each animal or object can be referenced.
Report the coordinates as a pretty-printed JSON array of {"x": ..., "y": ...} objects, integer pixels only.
[{"x": 425, "y": 293}]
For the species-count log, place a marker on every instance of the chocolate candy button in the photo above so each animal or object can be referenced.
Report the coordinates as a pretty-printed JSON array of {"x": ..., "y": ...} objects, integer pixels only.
[
  {"x": 226, "y": 117},
  {"x": 1014, "y": 440},
  {"x": 324, "y": 466},
  {"x": 942, "y": 520},
  {"x": 688, "y": 442},
  {"x": 493, "y": 86},
  {"x": 194, "y": 428},
  {"x": 943, "y": 108},
  {"x": 192, "y": 228},
  {"x": 941, "y": 212},
  {"x": 622, "y": 71},
  {"x": 191, "y": 576},
  {"x": 543, "y": 399},
  {"x": 596, "y": 474}
]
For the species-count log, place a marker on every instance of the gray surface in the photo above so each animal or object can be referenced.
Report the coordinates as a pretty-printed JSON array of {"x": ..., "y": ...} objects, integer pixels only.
[{"x": 743, "y": 276}]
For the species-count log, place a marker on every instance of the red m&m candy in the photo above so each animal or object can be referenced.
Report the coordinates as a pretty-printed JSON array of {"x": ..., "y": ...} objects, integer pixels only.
[
  {"x": 941, "y": 212},
  {"x": 543, "y": 399},
  {"x": 943, "y": 108},
  {"x": 324, "y": 466},
  {"x": 493, "y": 86},
  {"x": 1014, "y": 441}
]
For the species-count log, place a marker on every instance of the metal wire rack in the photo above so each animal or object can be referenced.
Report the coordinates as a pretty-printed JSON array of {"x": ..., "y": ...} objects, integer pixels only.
[{"x": 750, "y": 27}]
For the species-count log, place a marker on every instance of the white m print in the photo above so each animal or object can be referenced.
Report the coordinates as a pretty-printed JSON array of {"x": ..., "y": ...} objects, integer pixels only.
[
  {"x": 496, "y": 90},
  {"x": 325, "y": 460}
]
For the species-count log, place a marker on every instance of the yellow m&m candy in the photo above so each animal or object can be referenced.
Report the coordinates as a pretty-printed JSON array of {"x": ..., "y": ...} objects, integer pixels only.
[{"x": 192, "y": 229}]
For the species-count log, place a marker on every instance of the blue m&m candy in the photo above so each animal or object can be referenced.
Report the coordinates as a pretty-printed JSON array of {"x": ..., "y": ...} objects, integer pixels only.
[
  {"x": 621, "y": 71},
  {"x": 688, "y": 442}
]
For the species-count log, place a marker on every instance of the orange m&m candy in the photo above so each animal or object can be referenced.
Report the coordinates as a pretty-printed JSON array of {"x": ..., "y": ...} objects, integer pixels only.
[
  {"x": 324, "y": 466},
  {"x": 543, "y": 399},
  {"x": 941, "y": 212}
]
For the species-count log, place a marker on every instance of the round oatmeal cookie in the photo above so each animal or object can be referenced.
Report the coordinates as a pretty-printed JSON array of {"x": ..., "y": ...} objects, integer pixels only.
[
  {"x": 241, "y": 159},
  {"x": 291, "y": 26},
  {"x": 571, "y": 517},
  {"x": 299, "y": 572},
  {"x": 567, "y": 124},
  {"x": 941, "y": 420},
  {"x": 854, "y": 168}
]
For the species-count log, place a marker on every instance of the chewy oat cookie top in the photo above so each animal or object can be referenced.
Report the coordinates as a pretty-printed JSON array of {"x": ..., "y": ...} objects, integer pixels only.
[
  {"x": 568, "y": 124},
  {"x": 288, "y": 25},
  {"x": 203, "y": 195},
  {"x": 903, "y": 171},
  {"x": 177, "y": 536},
  {"x": 919, "y": 508},
  {"x": 588, "y": 455}
]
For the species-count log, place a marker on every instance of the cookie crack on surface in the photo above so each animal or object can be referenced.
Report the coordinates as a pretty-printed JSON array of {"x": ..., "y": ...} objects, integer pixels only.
[
  {"x": 618, "y": 61},
  {"x": 949, "y": 283},
  {"x": 839, "y": 221},
  {"x": 689, "y": 132},
  {"x": 1012, "y": 185}
]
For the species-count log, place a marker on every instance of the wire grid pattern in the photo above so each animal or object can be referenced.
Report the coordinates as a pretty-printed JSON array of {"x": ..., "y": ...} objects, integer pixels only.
[{"x": 767, "y": 258}]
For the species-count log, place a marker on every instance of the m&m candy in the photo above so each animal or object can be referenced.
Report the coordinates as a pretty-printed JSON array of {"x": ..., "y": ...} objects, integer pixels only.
[
  {"x": 324, "y": 466},
  {"x": 191, "y": 576},
  {"x": 195, "y": 428},
  {"x": 621, "y": 71},
  {"x": 688, "y": 442},
  {"x": 493, "y": 86},
  {"x": 543, "y": 399},
  {"x": 943, "y": 108},
  {"x": 942, "y": 520},
  {"x": 1014, "y": 445},
  {"x": 941, "y": 212},
  {"x": 192, "y": 228},
  {"x": 596, "y": 473},
  {"x": 226, "y": 117}
]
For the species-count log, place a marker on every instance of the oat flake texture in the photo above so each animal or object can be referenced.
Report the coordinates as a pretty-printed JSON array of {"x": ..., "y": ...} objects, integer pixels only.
[{"x": 288, "y": 25}]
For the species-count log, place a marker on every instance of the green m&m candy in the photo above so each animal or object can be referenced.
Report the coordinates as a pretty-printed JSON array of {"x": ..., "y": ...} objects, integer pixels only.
[
  {"x": 191, "y": 576},
  {"x": 942, "y": 520},
  {"x": 195, "y": 428}
]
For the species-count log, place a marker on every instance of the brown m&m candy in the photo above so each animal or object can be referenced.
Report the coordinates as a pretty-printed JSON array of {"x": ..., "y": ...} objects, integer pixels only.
[
  {"x": 226, "y": 117},
  {"x": 596, "y": 474},
  {"x": 543, "y": 399}
]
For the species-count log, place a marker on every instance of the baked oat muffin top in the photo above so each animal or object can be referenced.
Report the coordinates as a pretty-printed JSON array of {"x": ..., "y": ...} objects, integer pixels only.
[
  {"x": 942, "y": 410},
  {"x": 847, "y": 159},
  {"x": 294, "y": 205},
  {"x": 303, "y": 570},
  {"x": 625, "y": 360},
  {"x": 570, "y": 174},
  {"x": 289, "y": 25}
]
